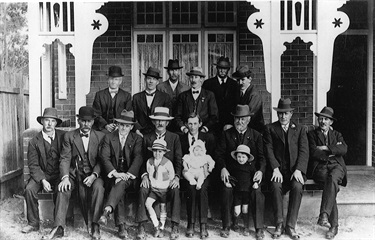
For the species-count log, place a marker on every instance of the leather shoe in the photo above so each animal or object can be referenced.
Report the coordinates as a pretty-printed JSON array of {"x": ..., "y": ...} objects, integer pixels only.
[
  {"x": 323, "y": 220},
  {"x": 204, "y": 233},
  {"x": 175, "y": 234},
  {"x": 291, "y": 232},
  {"x": 278, "y": 231},
  {"x": 259, "y": 235},
  {"x": 95, "y": 232},
  {"x": 29, "y": 228},
  {"x": 141, "y": 235},
  {"x": 332, "y": 232},
  {"x": 56, "y": 232},
  {"x": 225, "y": 232},
  {"x": 190, "y": 230},
  {"x": 104, "y": 218},
  {"x": 122, "y": 233}
]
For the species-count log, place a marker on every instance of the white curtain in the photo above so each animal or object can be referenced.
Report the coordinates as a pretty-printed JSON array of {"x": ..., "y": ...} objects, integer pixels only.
[
  {"x": 216, "y": 50},
  {"x": 187, "y": 54},
  {"x": 149, "y": 55}
]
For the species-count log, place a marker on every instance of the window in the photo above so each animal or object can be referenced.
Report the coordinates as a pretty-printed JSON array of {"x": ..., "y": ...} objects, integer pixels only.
[
  {"x": 221, "y": 13},
  {"x": 149, "y": 14},
  {"x": 185, "y": 14}
]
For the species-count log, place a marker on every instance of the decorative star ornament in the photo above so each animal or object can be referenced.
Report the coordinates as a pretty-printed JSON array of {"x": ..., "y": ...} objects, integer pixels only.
[
  {"x": 337, "y": 22},
  {"x": 96, "y": 25},
  {"x": 259, "y": 23}
]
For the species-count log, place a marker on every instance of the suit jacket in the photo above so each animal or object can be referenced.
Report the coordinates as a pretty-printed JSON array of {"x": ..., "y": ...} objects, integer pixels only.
[
  {"x": 73, "y": 147},
  {"x": 225, "y": 98},
  {"x": 166, "y": 87},
  {"x": 103, "y": 103},
  {"x": 336, "y": 144},
  {"x": 274, "y": 142},
  {"x": 36, "y": 154},
  {"x": 110, "y": 153},
  {"x": 141, "y": 111},
  {"x": 173, "y": 144},
  {"x": 207, "y": 138},
  {"x": 253, "y": 99},
  {"x": 229, "y": 141},
  {"x": 206, "y": 108}
]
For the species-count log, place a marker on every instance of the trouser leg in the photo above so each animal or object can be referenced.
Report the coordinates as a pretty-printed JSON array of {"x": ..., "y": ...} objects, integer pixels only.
[
  {"x": 295, "y": 197},
  {"x": 141, "y": 208},
  {"x": 174, "y": 195},
  {"x": 226, "y": 205},
  {"x": 97, "y": 195},
  {"x": 32, "y": 206},
  {"x": 203, "y": 202},
  {"x": 277, "y": 195},
  {"x": 257, "y": 205},
  {"x": 191, "y": 194}
]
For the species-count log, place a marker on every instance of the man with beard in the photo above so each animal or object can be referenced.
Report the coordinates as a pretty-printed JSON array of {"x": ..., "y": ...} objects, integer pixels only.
[
  {"x": 241, "y": 134},
  {"x": 161, "y": 118},
  {"x": 249, "y": 95},
  {"x": 225, "y": 90},
  {"x": 199, "y": 101},
  {"x": 109, "y": 102},
  {"x": 327, "y": 148},
  {"x": 173, "y": 87}
]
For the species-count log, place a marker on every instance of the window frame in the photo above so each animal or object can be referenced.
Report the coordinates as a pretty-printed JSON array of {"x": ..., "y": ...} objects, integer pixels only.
[
  {"x": 226, "y": 24},
  {"x": 136, "y": 25},
  {"x": 198, "y": 25}
]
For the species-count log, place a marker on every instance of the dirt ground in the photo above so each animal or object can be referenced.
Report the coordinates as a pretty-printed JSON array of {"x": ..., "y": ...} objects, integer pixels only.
[{"x": 12, "y": 220}]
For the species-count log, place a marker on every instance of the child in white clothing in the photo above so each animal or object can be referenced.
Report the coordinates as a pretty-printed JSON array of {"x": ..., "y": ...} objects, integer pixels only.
[
  {"x": 197, "y": 164},
  {"x": 161, "y": 172}
]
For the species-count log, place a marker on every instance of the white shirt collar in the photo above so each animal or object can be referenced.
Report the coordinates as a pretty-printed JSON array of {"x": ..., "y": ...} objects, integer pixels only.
[
  {"x": 47, "y": 138},
  {"x": 219, "y": 79},
  {"x": 173, "y": 85}
]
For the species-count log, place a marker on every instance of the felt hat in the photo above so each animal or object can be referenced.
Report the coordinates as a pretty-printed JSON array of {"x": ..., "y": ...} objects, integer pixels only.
[
  {"x": 49, "y": 113},
  {"x": 159, "y": 144},
  {"x": 153, "y": 72},
  {"x": 326, "y": 112},
  {"x": 284, "y": 105},
  {"x": 241, "y": 72},
  {"x": 223, "y": 62},
  {"x": 126, "y": 117},
  {"x": 173, "y": 64},
  {"x": 196, "y": 71},
  {"x": 114, "y": 71},
  {"x": 242, "y": 111},
  {"x": 242, "y": 149},
  {"x": 86, "y": 113},
  {"x": 161, "y": 113}
]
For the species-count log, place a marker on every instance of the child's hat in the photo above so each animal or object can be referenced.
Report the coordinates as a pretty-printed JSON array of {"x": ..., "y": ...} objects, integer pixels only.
[
  {"x": 242, "y": 149},
  {"x": 159, "y": 144},
  {"x": 198, "y": 143}
]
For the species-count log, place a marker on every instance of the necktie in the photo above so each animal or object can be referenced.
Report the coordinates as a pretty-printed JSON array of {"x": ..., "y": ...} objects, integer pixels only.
[
  {"x": 241, "y": 94},
  {"x": 84, "y": 135},
  {"x": 150, "y": 94},
  {"x": 326, "y": 138},
  {"x": 122, "y": 141},
  {"x": 158, "y": 136},
  {"x": 192, "y": 140},
  {"x": 241, "y": 138},
  {"x": 195, "y": 92}
]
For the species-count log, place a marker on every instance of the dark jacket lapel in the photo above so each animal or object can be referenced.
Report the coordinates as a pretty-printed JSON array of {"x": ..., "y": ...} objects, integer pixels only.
[
  {"x": 279, "y": 131},
  {"x": 40, "y": 142},
  {"x": 116, "y": 148},
  {"x": 79, "y": 143}
]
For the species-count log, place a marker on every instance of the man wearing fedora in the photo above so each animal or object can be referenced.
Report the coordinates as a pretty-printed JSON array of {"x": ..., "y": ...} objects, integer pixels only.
[
  {"x": 225, "y": 90},
  {"x": 145, "y": 102},
  {"x": 109, "y": 102},
  {"x": 327, "y": 165},
  {"x": 287, "y": 153},
  {"x": 173, "y": 87},
  {"x": 249, "y": 95},
  {"x": 199, "y": 101},
  {"x": 80, "y": 168},
  {"x": 121, "y": 157},
  {"x": 43, "y": 156},
  {"x": 241, "y": 134},
  {"x": 161, "y": 118}
]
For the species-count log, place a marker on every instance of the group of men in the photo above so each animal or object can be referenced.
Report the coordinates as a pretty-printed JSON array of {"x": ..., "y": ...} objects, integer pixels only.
[{"x": 108, "y": 152}]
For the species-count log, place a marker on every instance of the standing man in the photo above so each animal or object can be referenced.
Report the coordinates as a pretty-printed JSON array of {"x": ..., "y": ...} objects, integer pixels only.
[
  {"x": 241, "y": 134},
  {"x": 121, "y": 158},
  {"x": 43, "y": 155},
  {"x": 249, "y": 95},
  {"x": 196, "y": 197},
  {"x": 80, "y": 168},
  {"x": 109, "y": 102},
  {"x": 173, "y": 87},
  {"x": 225, "y": 90},
  {"x": 161, "y": 119},
  {"x": 199, "y": 101},
  {"x": 145, "y": 102},
  {"x": 287, "y": 153},
  {"x": 327, "y": 148}
]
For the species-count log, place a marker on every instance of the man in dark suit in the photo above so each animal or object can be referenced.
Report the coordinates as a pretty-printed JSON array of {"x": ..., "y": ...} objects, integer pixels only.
[
  {"x": 229, "y": 141},
  {"x": 80, "y": 168},
  {"x": 109, "y": 102},
  {"x": 249, "y": 95},
  {"x": 173, "y": 87},
  {"x": 121, "y": 158},
  {"x": 198, "y": 100},
  {"x": 145, "y": 102},
  {"x": 196, "y": 197},
  {"x": 160, "y": 119},
  {"x": 43, "y": 156},
  {"x": 327, "y": 148},
  {"x": 287, "y": 153},
  {"x": 225, "y": 90}
]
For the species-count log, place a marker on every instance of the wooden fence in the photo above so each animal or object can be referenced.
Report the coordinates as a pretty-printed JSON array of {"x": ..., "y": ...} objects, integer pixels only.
[{"x": 14, "y": 105}]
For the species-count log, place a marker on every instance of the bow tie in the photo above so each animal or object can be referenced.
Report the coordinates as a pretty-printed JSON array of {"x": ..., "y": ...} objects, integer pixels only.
[
  {"x": 150, "y": 94},
  {"x": 113, "y": 91},
  {"x": 195, "y": 92},
  {"x": 84, "y": 135}
]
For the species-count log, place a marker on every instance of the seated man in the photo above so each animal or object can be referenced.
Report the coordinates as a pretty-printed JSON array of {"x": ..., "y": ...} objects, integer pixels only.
[{"x": 327, "y": 148}]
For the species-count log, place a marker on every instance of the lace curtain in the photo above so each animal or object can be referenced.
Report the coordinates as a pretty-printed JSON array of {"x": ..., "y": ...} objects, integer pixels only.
[
  {"x": 149, "y": 55},
  {"x": 187, "y": 54},
  {"x": 216, "y": 50}
]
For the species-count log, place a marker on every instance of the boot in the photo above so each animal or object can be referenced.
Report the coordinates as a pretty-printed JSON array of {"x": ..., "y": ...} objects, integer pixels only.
[
  {"x": 190, "y": 230},
  {"x": 235, "y": 225},
  {"x": 245, "y": 218},
  {"x": 204, "y": 233}
]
